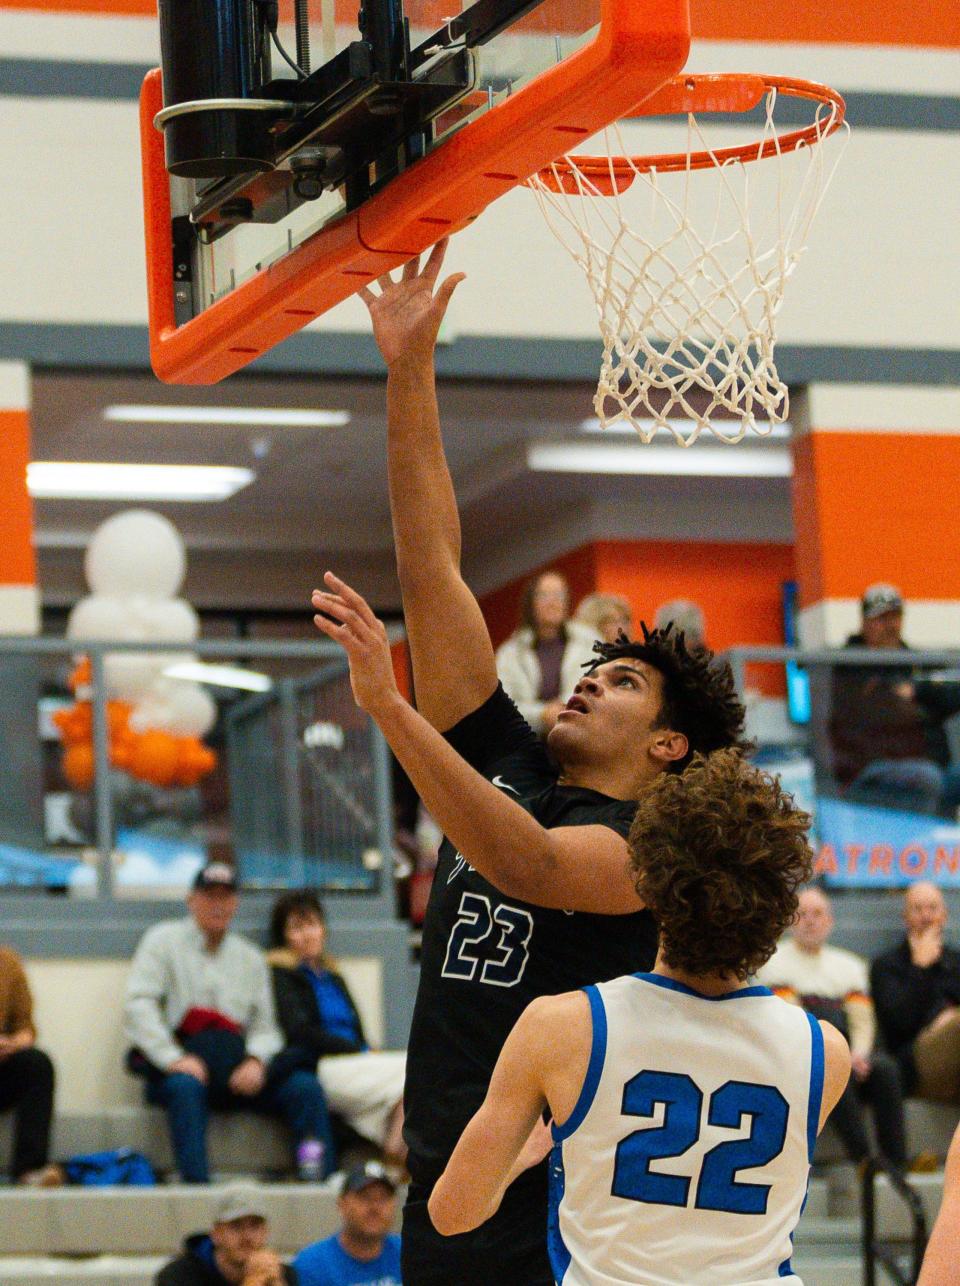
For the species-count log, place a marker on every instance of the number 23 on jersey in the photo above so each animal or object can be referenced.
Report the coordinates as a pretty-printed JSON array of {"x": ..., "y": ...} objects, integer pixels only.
[{"x": 489, "y": 942}]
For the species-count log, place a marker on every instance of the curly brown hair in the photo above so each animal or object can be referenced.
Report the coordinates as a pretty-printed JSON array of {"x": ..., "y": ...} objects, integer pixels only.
[
  {"x": 699, "y": 693},
  {"x": 718, "y": 854}
]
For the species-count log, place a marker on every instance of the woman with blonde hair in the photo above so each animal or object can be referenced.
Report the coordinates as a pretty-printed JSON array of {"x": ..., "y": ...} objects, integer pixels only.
[{"x": 606, "y": 615}]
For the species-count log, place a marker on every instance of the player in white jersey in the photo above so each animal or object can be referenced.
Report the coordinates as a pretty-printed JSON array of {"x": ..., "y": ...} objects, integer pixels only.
[{"x": 685, "y": 1104}]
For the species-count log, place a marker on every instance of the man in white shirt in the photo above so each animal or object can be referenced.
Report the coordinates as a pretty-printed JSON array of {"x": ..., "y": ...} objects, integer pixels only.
[
  {"x": 199, "y": 1017},
  {"x": 832, "y": 984}
]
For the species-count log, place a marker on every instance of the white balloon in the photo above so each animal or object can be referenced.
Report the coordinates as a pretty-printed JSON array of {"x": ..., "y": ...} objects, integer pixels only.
[
  {"x": 177, "y": 706},
  {"x": 102, "y": 616},
  {"x": 130, "y": 675},
  {"x": 194, "y": 711},
  {"x": 164, "y": 620},
  {"x": 136, "y": 552}
]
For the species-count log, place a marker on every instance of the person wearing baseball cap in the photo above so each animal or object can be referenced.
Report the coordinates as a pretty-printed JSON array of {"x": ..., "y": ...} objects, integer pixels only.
[
  {"x": 364, "y": 1252},
  {"x": 889, "y": 747},
  {"x": 199, "y": 1016},
  {"x": 235, "y": 1251}
]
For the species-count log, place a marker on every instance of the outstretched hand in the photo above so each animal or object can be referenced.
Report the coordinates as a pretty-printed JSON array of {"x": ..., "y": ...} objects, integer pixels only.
[
  {"x": 344, "y": 616},
  {"x": 407, "y": 313}
]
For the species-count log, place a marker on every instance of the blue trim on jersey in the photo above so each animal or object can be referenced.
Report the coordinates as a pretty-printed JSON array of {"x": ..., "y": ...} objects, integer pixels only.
[
  {"x": 816, "y": 1084},
  {"x": 598, "y": 1051},
  {"x": 670, "y": 984},
  {"x": 556, "y": 1183}
]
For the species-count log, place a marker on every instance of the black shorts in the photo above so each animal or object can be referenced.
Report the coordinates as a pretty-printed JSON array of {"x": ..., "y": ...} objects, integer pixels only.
[{"x": 508, "y": 1250}]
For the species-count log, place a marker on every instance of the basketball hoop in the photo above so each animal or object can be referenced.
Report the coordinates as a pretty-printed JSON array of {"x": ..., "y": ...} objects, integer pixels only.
[{"x": 689, "y": 277}]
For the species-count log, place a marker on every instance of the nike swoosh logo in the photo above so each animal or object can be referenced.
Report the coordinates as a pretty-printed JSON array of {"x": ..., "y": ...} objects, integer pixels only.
[{"x": 505, "y": 785}]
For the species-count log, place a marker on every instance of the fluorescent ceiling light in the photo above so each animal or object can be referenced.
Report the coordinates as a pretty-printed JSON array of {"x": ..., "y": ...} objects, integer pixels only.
[
  {"x": 702, "y": 462},
  {"x": 259, "y": 417},
  {"x": 221, "y": 676},
  {"x": 69, "y": 480},
  {"x": 685, "y": 426}
]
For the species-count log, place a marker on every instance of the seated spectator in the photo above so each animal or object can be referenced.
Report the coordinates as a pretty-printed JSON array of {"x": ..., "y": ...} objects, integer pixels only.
[
  {"x": 888, "y": 743},
  {"x": 317, "y": 1015},
  {"x": 26, "y": 1078},
  {"x": 943, "y": 1249},
  {"x": 235, "y": 1250},
  {"x": 540, "y": 663},
  {"x": 916, "y": 989},
  {"x": 831, "y": 984},
  {"x": 199, "y": 1014},
  {"x": 687, "y": 618},
  {"x": 605, "y": 615},
  {"x": 364, "y": 1252}
]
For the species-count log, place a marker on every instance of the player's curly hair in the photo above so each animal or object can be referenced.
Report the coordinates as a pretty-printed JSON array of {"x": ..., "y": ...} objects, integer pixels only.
[
  {"x": 699, "y": 694},
  {"x": 718, "y": 855}
]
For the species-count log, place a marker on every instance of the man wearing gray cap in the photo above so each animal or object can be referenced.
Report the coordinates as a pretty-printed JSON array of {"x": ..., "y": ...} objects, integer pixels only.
[
  {"x": 888, "y": 744},
  {"x": 364, "y": 1252},
  {"x": 199, "y": 1017},
  {"x": 234, "y": 1252}
]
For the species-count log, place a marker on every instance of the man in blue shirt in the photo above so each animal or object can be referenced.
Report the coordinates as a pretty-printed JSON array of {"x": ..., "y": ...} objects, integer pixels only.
[{"x": 364, "y": 1252}]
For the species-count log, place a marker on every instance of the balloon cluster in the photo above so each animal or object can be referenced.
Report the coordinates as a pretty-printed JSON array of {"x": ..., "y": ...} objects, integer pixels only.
[{"x": 135, "y": 564}]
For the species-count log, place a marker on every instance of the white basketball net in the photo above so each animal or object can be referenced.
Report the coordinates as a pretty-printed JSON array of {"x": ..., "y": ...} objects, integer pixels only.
[{"x": 688, "y": 284}]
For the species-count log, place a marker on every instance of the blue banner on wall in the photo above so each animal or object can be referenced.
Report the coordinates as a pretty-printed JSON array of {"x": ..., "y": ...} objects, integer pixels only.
[{"x": 860, "y": 846}]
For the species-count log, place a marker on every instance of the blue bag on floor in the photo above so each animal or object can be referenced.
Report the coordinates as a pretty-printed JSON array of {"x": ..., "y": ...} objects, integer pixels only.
[{"x": 120, "y": 1166}]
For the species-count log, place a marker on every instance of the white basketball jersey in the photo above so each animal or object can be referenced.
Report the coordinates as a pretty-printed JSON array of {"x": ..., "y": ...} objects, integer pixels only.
[{"x": 685, "y": 1161}]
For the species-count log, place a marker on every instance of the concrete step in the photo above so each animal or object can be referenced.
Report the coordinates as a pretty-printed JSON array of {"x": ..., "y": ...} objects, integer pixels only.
[
  {"x": 149, "y": 1221},
  {"x": 99, "y": 1270},
  {"x": 827, "y": 1270}
]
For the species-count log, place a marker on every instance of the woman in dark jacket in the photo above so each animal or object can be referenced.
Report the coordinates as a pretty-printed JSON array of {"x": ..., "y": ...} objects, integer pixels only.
[{"x": 318, "y": 1016}]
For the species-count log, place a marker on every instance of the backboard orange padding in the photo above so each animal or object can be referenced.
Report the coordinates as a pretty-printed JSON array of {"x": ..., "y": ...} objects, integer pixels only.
[{"x": 637, "y": 48}]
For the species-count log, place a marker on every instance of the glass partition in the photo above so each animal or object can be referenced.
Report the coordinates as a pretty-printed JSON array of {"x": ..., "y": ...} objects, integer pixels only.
[
  {"x": 255, "y": 754},
  {"x": 869, "y": 742}
]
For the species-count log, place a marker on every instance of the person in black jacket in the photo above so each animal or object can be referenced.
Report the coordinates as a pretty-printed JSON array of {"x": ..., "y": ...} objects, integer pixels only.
[
  {"x": 888, "y": 743},
  {"x": 319, "y": 1019},
  {"x": 234, "y": 1252},
  {"x": 916, "y": 994}
]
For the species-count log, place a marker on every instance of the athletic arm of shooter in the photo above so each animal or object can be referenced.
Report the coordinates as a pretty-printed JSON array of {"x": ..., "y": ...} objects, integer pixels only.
[
  {"x": 454, "y": 669},
  {"x": 836, "y": 1070},
  {"x": 573, "y": 868},
  {"x": 503, "y": 1138},
  {"x": 943, "y": 1249}
]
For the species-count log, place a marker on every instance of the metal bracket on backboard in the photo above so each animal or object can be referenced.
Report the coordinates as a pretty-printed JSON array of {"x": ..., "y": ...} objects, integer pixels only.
[{"x": 635, "y": 49}]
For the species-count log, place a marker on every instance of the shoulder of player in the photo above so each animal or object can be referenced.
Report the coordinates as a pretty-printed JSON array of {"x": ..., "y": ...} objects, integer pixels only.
[
  {"x": 545, "y": 1016},
  {"x": 836, "y": 1059}
]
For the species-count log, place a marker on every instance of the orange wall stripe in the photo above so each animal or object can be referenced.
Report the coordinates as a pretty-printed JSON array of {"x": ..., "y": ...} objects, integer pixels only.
[
  {"x": 877, "y": 506},
  {"x": 858, "y": 22},
  {"x": 18, "y": 564},
  {"x": 739, "y": 587}
]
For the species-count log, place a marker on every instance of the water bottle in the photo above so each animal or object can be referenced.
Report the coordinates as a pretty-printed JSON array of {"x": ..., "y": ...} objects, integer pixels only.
[{"x": 310, "y": 1161}]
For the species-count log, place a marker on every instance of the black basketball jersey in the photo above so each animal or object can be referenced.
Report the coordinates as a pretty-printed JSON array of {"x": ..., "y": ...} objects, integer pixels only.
[{"x": 486, "y": 956}]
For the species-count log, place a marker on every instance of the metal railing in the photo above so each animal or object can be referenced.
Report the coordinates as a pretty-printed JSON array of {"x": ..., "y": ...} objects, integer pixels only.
[
  {"x": 323, "y": 659},
  {"x": 891, "y": 1254}
]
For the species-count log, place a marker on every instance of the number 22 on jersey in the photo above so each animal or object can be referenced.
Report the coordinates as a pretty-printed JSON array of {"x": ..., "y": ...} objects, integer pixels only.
[
  {"x": 488, "y": 941},
  {"x": 718, "y": 1188}
]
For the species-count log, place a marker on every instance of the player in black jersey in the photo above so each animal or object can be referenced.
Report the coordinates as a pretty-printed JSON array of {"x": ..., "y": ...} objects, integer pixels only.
[{"x": 532, "y": 894}]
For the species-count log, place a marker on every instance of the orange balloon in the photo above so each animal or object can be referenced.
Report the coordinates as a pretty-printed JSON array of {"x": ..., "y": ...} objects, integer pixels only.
[
  {"x": 82, "y": 674},
  {"x": 78, "y": 765},
  {"x": 118, "y": 714},
  {"x": 75, "y": 723},
  {"x": 195, "y": 761},
  {"x": 153, "y": 758}
]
